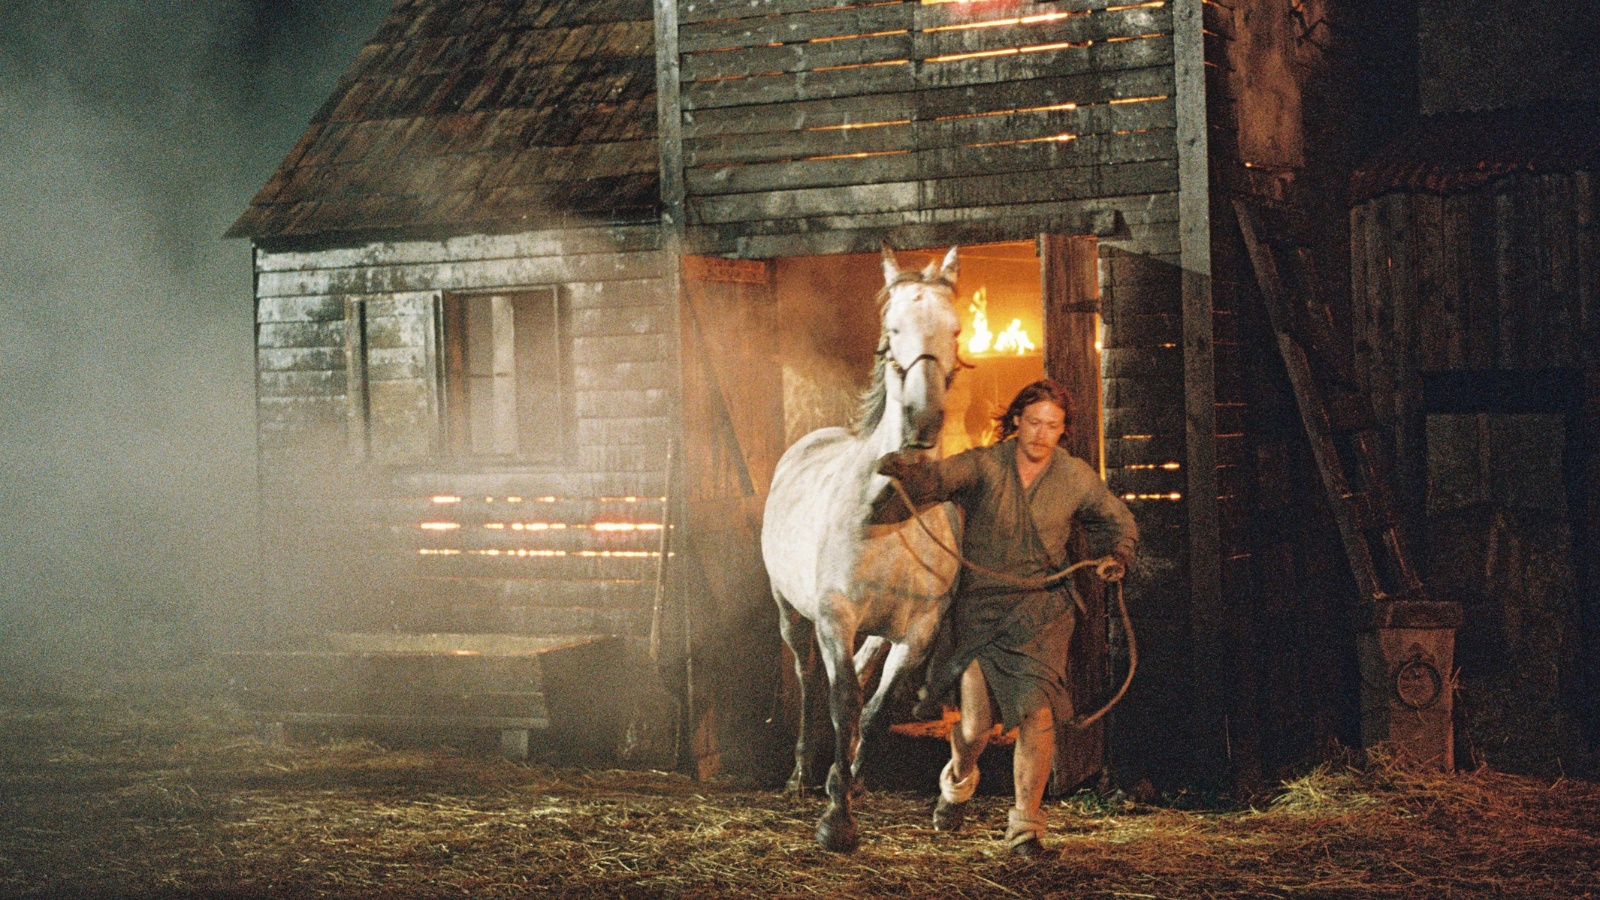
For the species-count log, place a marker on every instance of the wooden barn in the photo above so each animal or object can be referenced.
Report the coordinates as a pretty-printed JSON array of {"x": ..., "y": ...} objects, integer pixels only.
[{"x": 547, "y": 286}]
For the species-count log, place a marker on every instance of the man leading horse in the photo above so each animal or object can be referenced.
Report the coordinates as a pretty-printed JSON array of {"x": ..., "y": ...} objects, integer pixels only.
[{"x": 1004, "y": 643}]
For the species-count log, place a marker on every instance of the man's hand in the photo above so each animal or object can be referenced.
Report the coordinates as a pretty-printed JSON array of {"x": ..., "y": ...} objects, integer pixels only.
[
  {"x": 895, "y": 465},
  {"x": 1112, "y": 568}
]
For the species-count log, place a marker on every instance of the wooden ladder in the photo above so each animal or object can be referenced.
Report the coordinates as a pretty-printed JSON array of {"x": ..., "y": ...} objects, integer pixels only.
[{"x": 1337, "y": 417}]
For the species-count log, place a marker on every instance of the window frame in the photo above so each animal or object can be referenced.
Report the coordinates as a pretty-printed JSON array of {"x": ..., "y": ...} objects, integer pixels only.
[{"x": 552, "y": 374}]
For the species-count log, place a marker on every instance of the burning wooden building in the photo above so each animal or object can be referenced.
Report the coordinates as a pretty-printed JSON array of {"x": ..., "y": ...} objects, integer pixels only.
[{"x": 547, "y": 286}]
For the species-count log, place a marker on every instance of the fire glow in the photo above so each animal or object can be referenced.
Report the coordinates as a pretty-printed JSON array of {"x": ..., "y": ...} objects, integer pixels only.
[{"x": 1013, "y": 341}]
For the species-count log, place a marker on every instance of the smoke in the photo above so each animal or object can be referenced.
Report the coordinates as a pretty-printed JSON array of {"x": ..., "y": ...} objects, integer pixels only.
[{"x": 131, "y": 135}]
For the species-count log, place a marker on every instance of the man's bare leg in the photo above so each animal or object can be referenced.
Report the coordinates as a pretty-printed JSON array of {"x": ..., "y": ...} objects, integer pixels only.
[
  {"x": 1030, "y": 768},
  {"x": 968, "y": 738},
  {"x": 971, "y": 735}
]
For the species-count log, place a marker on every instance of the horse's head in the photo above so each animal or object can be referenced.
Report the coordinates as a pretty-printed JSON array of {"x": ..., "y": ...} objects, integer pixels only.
[{"x": 920, "y": 326}]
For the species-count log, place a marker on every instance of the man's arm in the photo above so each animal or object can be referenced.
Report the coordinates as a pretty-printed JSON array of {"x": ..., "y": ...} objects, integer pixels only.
[
  {"x": 1106, "y": 517},
  {"x": 929, "y": 480}
]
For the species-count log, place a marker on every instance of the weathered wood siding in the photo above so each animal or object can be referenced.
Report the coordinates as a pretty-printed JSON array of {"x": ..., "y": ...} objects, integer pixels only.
[
  {"x": 814, "y": 127},
  {"x": 1277, "y": 631},
  {"x": 350, "y": 391},
  {"x": 1500, "y": 278}
]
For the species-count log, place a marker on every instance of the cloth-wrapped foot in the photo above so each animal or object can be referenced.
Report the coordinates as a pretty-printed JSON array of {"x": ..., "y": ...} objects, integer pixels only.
[
  {"x": 951, "y": 810},
  {"x": 1024, "y": 833}
]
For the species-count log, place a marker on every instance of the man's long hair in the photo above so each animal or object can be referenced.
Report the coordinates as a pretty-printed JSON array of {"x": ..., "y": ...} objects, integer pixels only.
[{"x": 1043, "y": 389}]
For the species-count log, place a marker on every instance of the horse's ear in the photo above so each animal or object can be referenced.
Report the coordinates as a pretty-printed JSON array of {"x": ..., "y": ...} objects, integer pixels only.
[
  {"x": 891, "y": 269},
  {"x": 950, "y": 267}
]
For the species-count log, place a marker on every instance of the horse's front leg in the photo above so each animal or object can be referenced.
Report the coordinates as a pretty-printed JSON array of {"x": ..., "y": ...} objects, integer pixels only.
[
  {"x": 800, "y": 637},
  {"x": 902, "y": 657},
  {"x": 837, "y": 829}
]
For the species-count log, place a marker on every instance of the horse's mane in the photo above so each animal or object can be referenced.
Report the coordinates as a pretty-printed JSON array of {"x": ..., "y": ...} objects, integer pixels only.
[{"x": 876, "y": 397}]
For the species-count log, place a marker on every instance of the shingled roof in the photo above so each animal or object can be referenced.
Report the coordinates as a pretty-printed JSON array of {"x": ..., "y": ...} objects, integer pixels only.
[
  {"x": 478, "y": 115},
  {"x": 1453, "y": 152}
]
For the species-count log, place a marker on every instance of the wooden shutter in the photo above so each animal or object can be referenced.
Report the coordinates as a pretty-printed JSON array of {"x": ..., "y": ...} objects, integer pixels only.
[{"x": 732, "y": 435}]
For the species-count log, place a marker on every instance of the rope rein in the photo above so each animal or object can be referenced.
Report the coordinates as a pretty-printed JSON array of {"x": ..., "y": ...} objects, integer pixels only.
[{"x": 1039, "y": 583}]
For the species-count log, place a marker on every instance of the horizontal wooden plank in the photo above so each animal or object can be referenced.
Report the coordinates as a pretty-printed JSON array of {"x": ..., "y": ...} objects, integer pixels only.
[
  {"x": 622, "y": 403},
  {"x": 573, "y": 241},
  {"x": 642, "y": 430},
  {"x": 621, "y": 348},
  {"x": 488, "y": 593},
  {"x": 694, "y": 11},
  {"x": 553, "y": 619},
  {"x": 1157, "y": 365},
  {"x": 301, "y": 335},
  {"x": 1138, "y": 329},
  {"x": 788, "y": 87},
  {"x": 325, "y": 703},
  {"x": 603, "y": 374},
  {"x": 1147, "y": 481},
  {"x": 857, "y": 37},
  {"x": 769, "y": 59},
  {"x": 398, "y": 674},
  {"x": 300, "y": 359},
  {"x": 398, "y": 332},
  {"x": 623, "y": 459},
  {"x": 429, "y": 481},
  {"x": 929, "y": 105},
  {"x": 512, "y": 535},
  {"x": 620, "y": 320},
  {"x": 1054, "y": 185},
  {"x": 474, "y": 511},
  {"x": 1100, "y": 57},
  {"x": 839, "y": 21},
  {"x": 928, "y": 228},
  {"x": 691, "y": 12},
  {"x": 612, "y": 294},
  {"x": 300, "y": 309},
  {"x": 485, "y": 565},
  {"x": 462, "y": 275},
  {"x": 989, "y": 128},
  {"x": 1020, "y": 156},
  {"x": 1157, "y": 450},
  {"x": 934, "y": 41},
  {"x": 399, "y": 363},
  {"x": 727, "y": 149},
  {"x": 265, "y": 711},
  {"x": 301, "y": 384},
  {"x": 1150, "y": 419}
]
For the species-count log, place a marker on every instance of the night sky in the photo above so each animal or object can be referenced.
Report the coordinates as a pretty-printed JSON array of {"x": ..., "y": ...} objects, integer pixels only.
[{"x": 131, "y": 136}]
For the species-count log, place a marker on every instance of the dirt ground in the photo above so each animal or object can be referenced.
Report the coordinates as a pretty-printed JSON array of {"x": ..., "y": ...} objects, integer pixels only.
[{"x": 157, "y": 789}]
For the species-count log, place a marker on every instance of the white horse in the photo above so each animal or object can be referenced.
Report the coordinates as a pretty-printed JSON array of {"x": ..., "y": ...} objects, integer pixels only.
[{"x": 839, "y": 562}]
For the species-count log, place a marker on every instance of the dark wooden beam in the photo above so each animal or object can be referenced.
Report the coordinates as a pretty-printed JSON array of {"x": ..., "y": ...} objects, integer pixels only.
[{"x": 1209, "y": 657}]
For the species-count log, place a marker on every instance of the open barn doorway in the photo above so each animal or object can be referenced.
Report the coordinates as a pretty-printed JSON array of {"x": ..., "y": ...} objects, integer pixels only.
[{"x": 1028, "y": 309}]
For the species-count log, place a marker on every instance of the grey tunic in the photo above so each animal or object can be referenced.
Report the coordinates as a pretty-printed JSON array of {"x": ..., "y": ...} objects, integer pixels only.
[{"x": 1019, "y": 637}]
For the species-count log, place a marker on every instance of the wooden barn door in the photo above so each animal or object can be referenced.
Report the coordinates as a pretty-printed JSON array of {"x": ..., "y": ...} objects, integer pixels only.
[
  {"x": 1071, "y": 287},
  {"x": 732, "y": 436}
]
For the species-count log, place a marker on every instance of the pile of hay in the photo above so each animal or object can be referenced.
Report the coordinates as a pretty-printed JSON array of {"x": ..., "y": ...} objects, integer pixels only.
[{"x": 128, "y": 793}]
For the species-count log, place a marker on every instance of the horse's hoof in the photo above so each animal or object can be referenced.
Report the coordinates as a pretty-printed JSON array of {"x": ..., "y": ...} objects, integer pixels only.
[
  {"x": 947, "y": 816},
  {"x": 858, "y": 788},
  {"x": 838, "y": 836}
]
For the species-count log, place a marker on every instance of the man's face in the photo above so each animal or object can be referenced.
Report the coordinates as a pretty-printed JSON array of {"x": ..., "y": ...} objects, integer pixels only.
[{"x": 1039, "y": 427}]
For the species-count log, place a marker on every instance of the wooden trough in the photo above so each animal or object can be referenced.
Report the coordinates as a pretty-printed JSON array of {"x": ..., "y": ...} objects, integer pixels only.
[{"x": 515, "y": 684}]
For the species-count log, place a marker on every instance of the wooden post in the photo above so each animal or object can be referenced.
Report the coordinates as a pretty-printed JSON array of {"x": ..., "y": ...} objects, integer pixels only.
[
  {"x": 1070, "y": 281},
  {"x": 1209, "y": 655}
]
